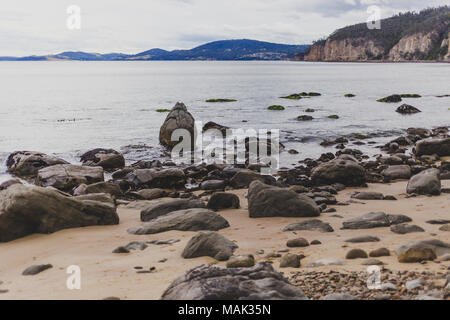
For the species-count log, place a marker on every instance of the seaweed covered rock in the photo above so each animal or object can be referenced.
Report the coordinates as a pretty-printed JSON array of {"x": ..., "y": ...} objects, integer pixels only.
[{"x": 407, "y": 109}]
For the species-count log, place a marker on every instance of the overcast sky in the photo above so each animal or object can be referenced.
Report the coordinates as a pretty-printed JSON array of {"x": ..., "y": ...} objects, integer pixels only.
[{"x": 131, "y": 26}]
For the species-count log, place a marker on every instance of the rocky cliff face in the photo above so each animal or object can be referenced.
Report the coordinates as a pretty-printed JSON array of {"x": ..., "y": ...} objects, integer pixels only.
[{"x": 413, "y": 47}]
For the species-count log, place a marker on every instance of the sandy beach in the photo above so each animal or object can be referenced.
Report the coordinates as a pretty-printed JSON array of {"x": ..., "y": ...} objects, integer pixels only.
[{"x": 105, "y": 274}]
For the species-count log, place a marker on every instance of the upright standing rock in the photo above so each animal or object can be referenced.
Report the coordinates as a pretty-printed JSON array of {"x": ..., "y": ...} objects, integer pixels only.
[{"x": 178, "y": 118}]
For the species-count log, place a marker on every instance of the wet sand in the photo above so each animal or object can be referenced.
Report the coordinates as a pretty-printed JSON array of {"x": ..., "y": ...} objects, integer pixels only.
[{"x": 105, "y": 274}]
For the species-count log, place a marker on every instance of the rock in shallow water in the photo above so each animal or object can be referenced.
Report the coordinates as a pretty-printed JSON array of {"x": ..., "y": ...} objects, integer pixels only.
[
  {"x": 178, "y": 118},
  {"x": 108, "y": 159},
  {"x": 184, "y": 220},
  {"x": 268, "y": 201},
  {"x": 209, "y": 244},
  {"x": 208, "y": 282},
  {"x": 25, "y": 210}
]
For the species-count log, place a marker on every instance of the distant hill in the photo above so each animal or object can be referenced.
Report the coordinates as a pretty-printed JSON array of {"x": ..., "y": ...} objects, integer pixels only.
[
  {"x": 218, "y": 50},
  {"x": 407, "y": 36}
]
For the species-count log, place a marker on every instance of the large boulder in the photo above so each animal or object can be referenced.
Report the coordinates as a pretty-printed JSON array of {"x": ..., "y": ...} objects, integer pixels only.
[
  {"x": 209, "y": 244},
  {"x": 422, "y": 250},
  {"x": 345, "y": 171},
  {"x": 108, "y": 159},
  {"x": 25, "y": 210},
  {"x": 243, "y": 178},
  {"x": 183, "y": 220},
  {"x": 397, "y": 172},
  {"x": 161, "y": 208},
  {"x": 209, "y": 282},
  {"x": 153, "y": 178},
  {"x": 375, "y": 220},
  {"x": 27, "y": 163},
  {"x": 65, "y": 177},
  {"x": 426, "y": 182},
  {"x": 441, "y": 147},
  {"x": 269, "y": 201},
  {"x": 178, "y": 118}
]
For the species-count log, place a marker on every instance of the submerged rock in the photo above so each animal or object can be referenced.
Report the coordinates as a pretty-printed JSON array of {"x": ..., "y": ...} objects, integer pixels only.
[
  {"x": 407, "y": 109},
  {"x": 25, "y": 210},
  {"x": 269, "y": 201},
  {"x": 209, "y": 282}
]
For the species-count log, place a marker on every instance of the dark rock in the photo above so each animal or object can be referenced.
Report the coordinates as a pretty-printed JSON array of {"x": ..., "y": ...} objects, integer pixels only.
[
  {"x": 397, "y": 172},
  {"x": 381, "y": 252},
  {"x": 290, "y": 260},
  {"x": 441, "y": 147},
  {"x": 427, "y": 183},
  {"x": 374, "y": 220},
  {"x": 65, "y": 177},
  {"x": 27, "y": 163},
  {"x": 309, "y": 225},
  {"x": 208, "y": 282},
  {"x": 108, "y": 159},
  {"x": 406, "y": 228},
  {"x": 297, "y": 243},
  {"x": 178, "y": 118},
  {"x": 438, "y": 221},
  {"x": 25, "y": 210},
  {"x": 210, "y": 244},
  {"x": 223, "y": 200},
  {"x": 356, "y": 254},
  {"x": 183, "y": 220},
  {"x": 161, "y": 208},
  {"x": 244, "y": 178},
  {"x": 152, "y": 194},
  {"x": 104, "y": 187},
  {"x": 391, "y": 98},
  {"x": 154, "y": 178},
  {"x": 33, "y": 270},
  {"x": 407, "y": 109},
  {"x": 347, "y": 172},
  {"x": 368, "y": 196},
  {"x": 363, "y": 239},
  {"x": 213, "y": 185},
  {"x": 268, "y": 201}
]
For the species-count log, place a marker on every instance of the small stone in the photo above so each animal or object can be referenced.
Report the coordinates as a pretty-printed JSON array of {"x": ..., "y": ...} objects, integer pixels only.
[
  {"x": 372, "y": 262},
  {"x": 415, "y": 284},
  {"x": 121, "y": 249},
  {"x": 356, "y": 254},
  {"x": 33, "y": 270},
  {"x": 315, "y": 242},
  {"x": 297, "y": 243},
  {"x": 290, "y": 260},
  {"x": 381, "y": 252},
  {"x": 245, "y": 261}
]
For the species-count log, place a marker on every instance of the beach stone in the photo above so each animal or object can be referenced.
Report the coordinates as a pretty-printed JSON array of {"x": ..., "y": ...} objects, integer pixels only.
[
  {"x": 267, "y": 201},
  {"x": 297, "y": 243},
  {"x": 445, "y": 227},
  {"x": 152, "y": 194},
  {"x": 414, "y": 284},
  {"x": 108, "y": 159},
  {"x": 339, "y": 297},
  {"x": 326, "y": 262},
  {"x": 104, "y": 187},
  {"x": 290, "y": 260},
  {"x": 356, "y": 254},
  {"x": 368, "y": 196},
  {"x": 309, "y": 225},
  {"x": 178, "y": 118},
  {"x": 374, "y": 220},
  {"x": 66, "y": 177},
  {"x": 397, "y": 172},
  {"x": 372, "y": 262},
  {"x": 316, "y": 243},
  {"x": 210, "y": 282},
  {"x": 422, "y": 250},
  {"x": 156, "y": 178},
  {"x": 363, "y": 239},
  {"x": 406, "y": 228},
  {"x": 246, "y": 261},
  {"x": 121, "y": 250},
  {"x": 243, "y": 178},
  {"x": 27, "y": 163},
  {"x": 98, "y": 197},
  {"x": 381, "y": 252},
  {"x": 223, "y": 200},
  {"x": 5, "y": 185},
  {"x": 161, "y": 208},
  {"x": 183, "y": 220},
  {"x": 431, "y": 146},
  {"x": 347, "y": 172},
  {"x": 25, "y": 210},
  {"x": 425, "y": 183},
  {"x": 210, "y": 244},
  {"x": 35, "y": 269}
]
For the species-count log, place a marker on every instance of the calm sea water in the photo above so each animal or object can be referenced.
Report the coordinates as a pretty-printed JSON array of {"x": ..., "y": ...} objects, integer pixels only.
[{"x": 66, "y": 108}]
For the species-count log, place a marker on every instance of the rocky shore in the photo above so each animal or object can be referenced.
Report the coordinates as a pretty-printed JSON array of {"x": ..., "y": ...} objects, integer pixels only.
[{"x": 307, "y": 232}]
